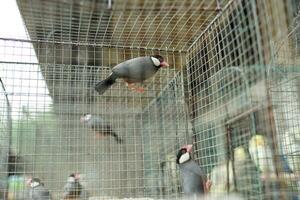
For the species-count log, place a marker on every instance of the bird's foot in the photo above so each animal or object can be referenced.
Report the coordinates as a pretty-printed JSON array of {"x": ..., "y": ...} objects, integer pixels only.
[
  {"x": 140, "y": 89},
  {"x": 135, "y": 88},
  {"x": 131, "y": 86},
  {"x": 207, "y": 186},
  {"x": 99, "y": 136}
]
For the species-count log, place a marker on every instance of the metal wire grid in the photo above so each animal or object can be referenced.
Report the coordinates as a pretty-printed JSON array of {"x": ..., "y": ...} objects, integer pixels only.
[
  {"x": 47, "y": 99},
  {"x": 5, "y": 128},
  {"x": 170, "y": 24},
  {"x": 228, "y": 101},
  {"x": 163, "y": 138},
  {"x": 284, "y": 90},
  {"x": 225, "y": 93}
]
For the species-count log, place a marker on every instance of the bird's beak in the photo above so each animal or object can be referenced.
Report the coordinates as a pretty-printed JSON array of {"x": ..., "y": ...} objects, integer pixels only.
[
  {"x": 189, "y": 148},
  {"x": 28, "y": 181},
  {"x": 164, "y": 64},
  {"x": 77, "y": 176}
]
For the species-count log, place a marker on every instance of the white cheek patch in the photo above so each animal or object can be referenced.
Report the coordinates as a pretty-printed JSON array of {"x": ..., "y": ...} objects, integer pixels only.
[
  {"x": 184, "y": 157},
  {"x": 155, "y": 61},
  {"x": 71, "y": 179},
  {"x": 34, "y": 184},
  {"x": 88, "y": 117}
]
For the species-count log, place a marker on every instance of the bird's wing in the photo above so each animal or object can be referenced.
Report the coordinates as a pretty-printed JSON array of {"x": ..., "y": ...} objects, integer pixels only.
[
  {"x": 194, "y": 167},
  {"x": 41, "y": 193},
  {"x": 136, "y": 69},
  {"x": 98, "y": 124},
  {"x": 67, "y": 189}
]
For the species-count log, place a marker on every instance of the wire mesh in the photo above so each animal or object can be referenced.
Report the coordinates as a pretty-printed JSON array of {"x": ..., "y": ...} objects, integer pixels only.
[
  {"x": 232, "y": 90},
  {"x": 149, "y": 24},
  {"x": 284, "y": 89},
  {"x": 231, "y": 106},
  {"x": 50, "y": 95}
]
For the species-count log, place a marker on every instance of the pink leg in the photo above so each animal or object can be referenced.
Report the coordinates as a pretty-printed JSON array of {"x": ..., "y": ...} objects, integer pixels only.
[
  {"x": 133, "y": 87},
  {"x": 99, "y": 136}
]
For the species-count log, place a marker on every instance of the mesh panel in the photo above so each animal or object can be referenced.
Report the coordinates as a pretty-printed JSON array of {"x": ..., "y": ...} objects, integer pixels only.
[{"x": 232, "y": 89}]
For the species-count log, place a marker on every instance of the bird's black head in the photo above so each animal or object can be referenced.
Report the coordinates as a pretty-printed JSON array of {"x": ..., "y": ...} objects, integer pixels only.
[
  {"x": 159, "y": 61},
  {"x": 184, "y": 154},
  {"x": 74, "y": 177}
]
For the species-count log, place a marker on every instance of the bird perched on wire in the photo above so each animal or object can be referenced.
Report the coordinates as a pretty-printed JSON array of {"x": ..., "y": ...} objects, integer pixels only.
[
  {"x": 99, "y": 126},
  {"x": 37, "y": 190},
  {"x": 73, "y": 188},
  {"x": 261, "y": 155},
  {"x": 133, "y": 71},
  {"x": 194, "y": 181}
]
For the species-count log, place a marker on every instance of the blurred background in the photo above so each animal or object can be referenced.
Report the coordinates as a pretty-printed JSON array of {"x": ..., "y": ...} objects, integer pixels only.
[{"x": 232, "y": 89}]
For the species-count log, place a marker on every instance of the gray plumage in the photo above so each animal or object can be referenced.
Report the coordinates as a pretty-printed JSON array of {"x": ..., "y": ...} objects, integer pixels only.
[
  {"x": 136, "y": 69},
  {"x": 193, "y": 178},
  {"x": 39, "y": 192},
  {"x": 132, "y": 71},
  {"x": 73, "y": 189},
  {"x": 100, "y": 126}
]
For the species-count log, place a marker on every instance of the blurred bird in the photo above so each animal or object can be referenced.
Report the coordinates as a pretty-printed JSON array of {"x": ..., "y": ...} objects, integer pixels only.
[
  {"x": 133, "y": 71},
  {"x": 194, "y": 181},
  {"x": 247, "y": 177},
  {"x": 37, "y": 190},
  {"x": 221, "y": 179},
  {"x": 73, "y": 188},
  {"x": 261, "y": 155},
  {"x": 101, "y": 128},
  {"x": 290, "y": 144}
]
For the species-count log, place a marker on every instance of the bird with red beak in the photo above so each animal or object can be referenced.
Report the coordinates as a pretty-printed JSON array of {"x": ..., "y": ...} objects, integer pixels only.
[
  {"x": 194, "y": 181},
  {"x": 133, "y": 71},
  {"x": 37, "y": 189}
]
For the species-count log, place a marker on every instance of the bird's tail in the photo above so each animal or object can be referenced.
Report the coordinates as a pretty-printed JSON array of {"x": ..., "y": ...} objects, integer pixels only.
[
  {"x": 117, "y": 138},
  {"x": 103, "y": 85}
]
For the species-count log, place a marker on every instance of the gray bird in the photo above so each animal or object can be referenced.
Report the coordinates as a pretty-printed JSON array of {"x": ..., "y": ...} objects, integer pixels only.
[
  {"x": 133, "y": 71},
  {"x": 73, "y": 189},
  {"x": 37, "y": 190},
  {"x": 98, "y": 124},
  {"x": 193, "y": 178}
]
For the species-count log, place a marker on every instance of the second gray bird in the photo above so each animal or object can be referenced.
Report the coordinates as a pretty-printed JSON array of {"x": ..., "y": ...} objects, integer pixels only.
[
  {"x": 100, "y": 126},
  {"x": 193, "y": 178},
  {"x": 37, "y": 190},
  {"x": 133, "y": 71},
  {"x": 73, "y": 188}
]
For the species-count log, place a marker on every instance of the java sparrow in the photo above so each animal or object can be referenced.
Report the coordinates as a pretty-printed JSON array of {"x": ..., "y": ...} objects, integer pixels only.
[
  {"x": 194, "y": 181},
  {"x": 37, "y": 190},
  {"x": 100, "y": 126},
  {"x": 133, "y": 71},
  {"x": 73, "y": 188}
]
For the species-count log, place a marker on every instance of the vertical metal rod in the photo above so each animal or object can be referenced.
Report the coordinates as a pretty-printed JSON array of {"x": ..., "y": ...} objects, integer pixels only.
[{"x": 109, "y": 4}]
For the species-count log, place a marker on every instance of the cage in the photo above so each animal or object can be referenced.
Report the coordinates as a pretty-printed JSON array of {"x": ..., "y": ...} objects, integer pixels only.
[{"x": 232, "y": 89}]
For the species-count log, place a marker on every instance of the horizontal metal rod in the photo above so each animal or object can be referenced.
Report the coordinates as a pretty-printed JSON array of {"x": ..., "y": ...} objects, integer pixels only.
[
  {"x": 94, "y": 45},
  {"x": 210, "y": 24},
  {"x": 246, "y": 113}
]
